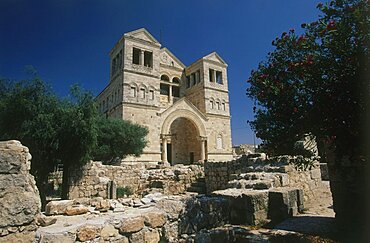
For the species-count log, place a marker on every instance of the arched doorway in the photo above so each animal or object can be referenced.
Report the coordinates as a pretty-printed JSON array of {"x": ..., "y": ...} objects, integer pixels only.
[
  {"x": 185, "y": 143},
  {"x": 183, "y": 138}
]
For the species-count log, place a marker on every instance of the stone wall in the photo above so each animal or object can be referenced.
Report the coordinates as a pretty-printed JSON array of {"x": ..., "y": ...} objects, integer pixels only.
[
  {"x": 19, "y": 197},
  {"x": 219, "y": 175},
  {"x": 94, "y": 179}
]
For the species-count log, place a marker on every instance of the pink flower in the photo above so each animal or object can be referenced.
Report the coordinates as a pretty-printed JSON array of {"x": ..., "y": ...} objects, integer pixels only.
[
  {"x": 295, "y": 109},
  {"x": 331, "y": 25}
]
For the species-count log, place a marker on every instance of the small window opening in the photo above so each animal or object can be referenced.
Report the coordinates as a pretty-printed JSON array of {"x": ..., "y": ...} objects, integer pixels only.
[
  {"x": 211, "y": 75},
  {"x": 136, "y": 56},
  {"x": 142, "y": 93},
  {"x": 165, "y": 89},
  {"x": 148, "y": 59},
  {"x": 219, "y": 77},
  {"x": 133, "y": 92},
  {"x": 175, "y": 91}
]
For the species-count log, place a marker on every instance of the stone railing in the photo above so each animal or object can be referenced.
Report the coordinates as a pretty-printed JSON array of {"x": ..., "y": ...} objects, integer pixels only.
[
  {"x": 95, "y": 179},
  {"x": 282, "y": 171}
]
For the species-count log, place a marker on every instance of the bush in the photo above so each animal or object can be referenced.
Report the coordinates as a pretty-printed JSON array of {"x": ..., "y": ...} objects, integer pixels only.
[{"x": 124, "y": 191}]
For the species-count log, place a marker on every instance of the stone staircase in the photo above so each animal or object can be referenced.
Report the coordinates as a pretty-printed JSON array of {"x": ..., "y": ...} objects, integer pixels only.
[
  {"x": 258, "y": 180},
  {"x": 199, "y": 186}
]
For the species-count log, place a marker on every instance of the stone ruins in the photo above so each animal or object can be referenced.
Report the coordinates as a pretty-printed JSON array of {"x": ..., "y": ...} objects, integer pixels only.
[{"x": 137, "y": 202}]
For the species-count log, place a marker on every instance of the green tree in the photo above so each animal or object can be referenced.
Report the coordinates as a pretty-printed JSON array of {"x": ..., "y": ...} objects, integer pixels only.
[
  {"x": 28, "y": 113},
  {"x": 65, "y": 131},
  {"x": 77, "y": 133},
  {"x": 117, "y": 138},
  {"x": 318, "y": 83}
]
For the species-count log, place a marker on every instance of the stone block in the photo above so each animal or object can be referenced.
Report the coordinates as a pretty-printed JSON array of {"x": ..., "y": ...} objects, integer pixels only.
[
  {"x": 246, "y": 206},
  {"x": 108, "y": 231},
  {"x": 56, "y": 237},
  {"x": 76, "y": 210},
  {"x": 131, "y": 225},
  {"x": 316, "y": 173},
  {"x": 284, "y": 202},
  {"x": 88, "y": 232},
  {"x": 154, "y": 219},
  {"x": 58, "y": 207}
]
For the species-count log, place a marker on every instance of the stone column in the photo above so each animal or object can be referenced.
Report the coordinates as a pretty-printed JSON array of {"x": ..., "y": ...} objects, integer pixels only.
[
  {"x": 141, "y": 61},
  {"x": 214, "y": 76},
  {"x": 170, "y": 94},
  {"x": 164, "y": 150},
  {"x": 203, "y": 149}
]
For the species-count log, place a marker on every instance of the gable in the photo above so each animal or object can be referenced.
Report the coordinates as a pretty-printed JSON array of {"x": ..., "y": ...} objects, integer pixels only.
[
  {"x": 142, "y": 34},
  {"x": 167, "y": 58},
  {"x": 184, "y": 104},
  {"x": 215, "y": 58}
]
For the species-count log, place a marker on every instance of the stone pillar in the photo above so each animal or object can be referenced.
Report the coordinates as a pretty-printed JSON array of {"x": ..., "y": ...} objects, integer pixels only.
[
  {"x": 164, "y": 150},
  {"x": 214, "y": 76},
  {"x": 170, "y": 94},
  {"x": 141, "y": 60},
  {"x": 203, "y": 149}
]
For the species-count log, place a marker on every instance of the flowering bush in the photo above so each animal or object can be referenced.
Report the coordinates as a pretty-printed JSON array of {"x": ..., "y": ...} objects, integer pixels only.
[{"x": 317, "y": 82}]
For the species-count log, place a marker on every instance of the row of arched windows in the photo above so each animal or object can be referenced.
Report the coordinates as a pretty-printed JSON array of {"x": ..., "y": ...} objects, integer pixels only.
[
  {"x": 142, "y": 92},
  {"x": 165, "y": 78},
  {"x": 110, "y": 100},
  {"x": 217, "y": 104}
]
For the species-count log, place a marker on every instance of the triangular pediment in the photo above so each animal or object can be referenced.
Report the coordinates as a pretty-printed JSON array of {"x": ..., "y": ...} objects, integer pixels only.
[
  {"x": 142, "y": 34},
  {"x": 184, "y": 104},
  {"x": 215, "y": 58},
  {"x": 167, "y": 58}
]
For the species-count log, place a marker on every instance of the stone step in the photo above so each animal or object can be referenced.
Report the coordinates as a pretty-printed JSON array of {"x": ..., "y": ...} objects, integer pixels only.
[
  {"x": 200, "y": 190},
  {"x": 198, "y": 184},
  {"x": 278, "y": 179},
  {"x": 251, "y": 184}
]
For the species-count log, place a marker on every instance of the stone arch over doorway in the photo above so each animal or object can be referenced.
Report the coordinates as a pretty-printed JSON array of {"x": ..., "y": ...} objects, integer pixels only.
[{"x": 183, "y": 137}]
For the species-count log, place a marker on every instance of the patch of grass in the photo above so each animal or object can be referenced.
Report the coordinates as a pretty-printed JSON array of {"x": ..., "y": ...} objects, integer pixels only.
[{"x": 124, "y": 191}]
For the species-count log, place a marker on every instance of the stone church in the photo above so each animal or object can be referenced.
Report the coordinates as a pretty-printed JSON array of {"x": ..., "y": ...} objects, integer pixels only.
[{"x": 185, "y": 108}]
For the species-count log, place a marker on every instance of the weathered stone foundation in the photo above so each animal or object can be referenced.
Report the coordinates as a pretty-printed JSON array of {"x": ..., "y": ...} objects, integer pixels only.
[
  {"x": 96, "y": 180},
  {"x": 19, "y": 197},
  {"x": 255, "y": 173}
]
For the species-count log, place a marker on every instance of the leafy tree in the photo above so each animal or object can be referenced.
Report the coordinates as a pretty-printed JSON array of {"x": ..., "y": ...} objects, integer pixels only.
[
  {"x": 28, "y": 113},
  {"x": 117, "y": 138},
  {"x": 77, "y": 133},
  {"x": 317, "y": 82},
  {"x": 62, "y": 131}
]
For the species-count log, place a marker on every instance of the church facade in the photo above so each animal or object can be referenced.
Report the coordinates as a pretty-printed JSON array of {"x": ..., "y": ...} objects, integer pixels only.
[{"x": 185, "y": 108}]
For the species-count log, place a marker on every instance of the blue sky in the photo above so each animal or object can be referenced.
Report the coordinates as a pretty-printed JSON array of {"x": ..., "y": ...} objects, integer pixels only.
[{"x": 68, "y": 41}]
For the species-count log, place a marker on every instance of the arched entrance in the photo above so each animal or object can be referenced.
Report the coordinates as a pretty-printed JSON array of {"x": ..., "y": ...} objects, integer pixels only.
[
  {"x": 183, "y": 138},
  {"x": 185, "y": 143}
]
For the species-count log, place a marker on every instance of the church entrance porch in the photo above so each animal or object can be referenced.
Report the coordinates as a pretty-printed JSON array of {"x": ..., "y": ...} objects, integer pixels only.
[{"x": 183, "y": 144}]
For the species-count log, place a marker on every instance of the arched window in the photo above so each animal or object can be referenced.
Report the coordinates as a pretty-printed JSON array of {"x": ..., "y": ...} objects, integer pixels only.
[
  {"x": 165, "y": 78},
  {"x": 176, "y": 80},
  {"x": 133, "y": 91},
  {"x": 219, "y": 142}
]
